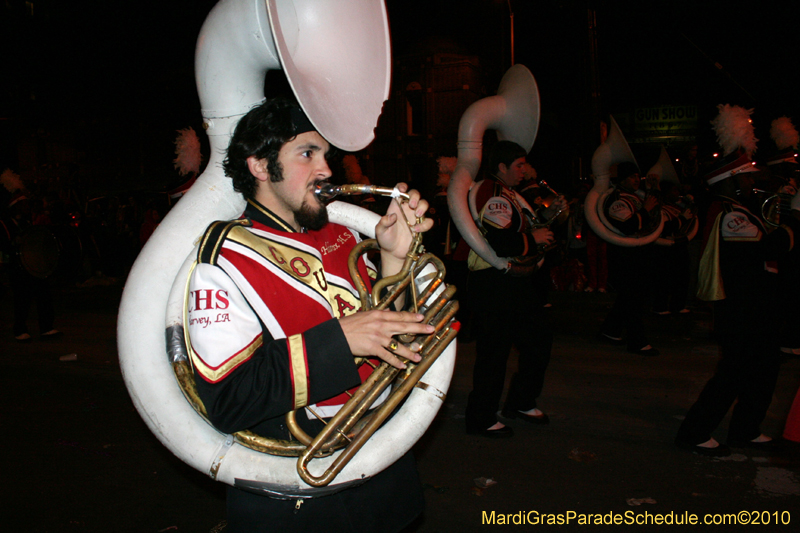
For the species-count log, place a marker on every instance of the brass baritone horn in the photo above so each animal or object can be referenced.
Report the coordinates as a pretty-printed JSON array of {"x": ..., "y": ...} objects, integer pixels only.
[
  {"x": 353, "y": 425},
  {"x": 547, "y": 201},
  {"x": 774, "y": 205}
]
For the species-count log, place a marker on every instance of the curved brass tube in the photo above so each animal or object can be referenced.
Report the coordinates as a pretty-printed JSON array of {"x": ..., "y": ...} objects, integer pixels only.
[{"x": 354, "y": 424}]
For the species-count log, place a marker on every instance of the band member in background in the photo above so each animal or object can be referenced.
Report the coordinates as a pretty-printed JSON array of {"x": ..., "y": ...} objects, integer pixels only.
[
  {"x": 273, "y": 322},
  {"x": 506, "y": 305},
  {"x": 630, "y": 268},
  {"x": 26, "y": 288},
  {"x": 671, "y": 261},
  {"x": 547, "y": 205},
  {"x": 785, "y": 173},
  {"x": 737, "y": 272}
]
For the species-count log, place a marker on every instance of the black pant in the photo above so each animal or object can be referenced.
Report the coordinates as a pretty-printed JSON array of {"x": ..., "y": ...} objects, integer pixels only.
[
  {"x": 630, "y": 273},
  {"x": 746, "y": 374},
  {"x": 671, "y": 283},
  {"x": 28, "y": 289},
  {"x": 386, "y": 503},
  {"x": 496, "y": 332}
]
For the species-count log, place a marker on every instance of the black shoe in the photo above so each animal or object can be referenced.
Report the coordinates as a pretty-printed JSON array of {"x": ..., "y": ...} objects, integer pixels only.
[
  {"x": 768, "y": 446},
  {"x": 512, "y": 414},
  {"x": 644, "y": 350},
  {"x": 719, "y": 451},
  {"x": 504, "y": 432}
]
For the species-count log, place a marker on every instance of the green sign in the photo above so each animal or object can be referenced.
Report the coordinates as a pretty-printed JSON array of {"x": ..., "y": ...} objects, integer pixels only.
[{"x": 665, "y": 120}]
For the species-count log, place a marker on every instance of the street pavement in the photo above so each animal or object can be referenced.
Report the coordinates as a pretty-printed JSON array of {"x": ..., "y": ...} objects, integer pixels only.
[{"x": 78, "y": 457}]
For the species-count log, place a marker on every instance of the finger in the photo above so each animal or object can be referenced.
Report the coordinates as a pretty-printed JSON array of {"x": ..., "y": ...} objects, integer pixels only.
[
  {"x": 423, "y": 226},
  {"x": 402, "y": 316},
  {"x": 413, "y": 200},
  {"x": 387, "y": 221},
  {"x": 389, "y": 357},
  {"x": 421, "y": 208},
  {"x": 412, "y": 328},
  {"x": 405, "y": 352}
]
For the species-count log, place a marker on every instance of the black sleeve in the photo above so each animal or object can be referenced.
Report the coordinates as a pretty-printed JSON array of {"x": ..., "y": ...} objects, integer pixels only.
[{"x": 262, "y": 387}]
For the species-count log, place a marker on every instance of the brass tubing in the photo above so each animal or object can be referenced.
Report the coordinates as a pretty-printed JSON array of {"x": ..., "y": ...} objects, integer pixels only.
[
  {"x": 398, "y": 395},
  {"x": 356, "y": 401},
  {"x": 353, "y": 418}
]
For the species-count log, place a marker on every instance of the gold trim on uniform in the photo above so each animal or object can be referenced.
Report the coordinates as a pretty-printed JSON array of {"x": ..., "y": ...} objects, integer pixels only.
[
  {"x": 710, "y": 287},
  {"x": 215, "y": 374},
  {"x": 297, "y": 358},
  {"x": 294, "y": 262},
  {"x": 281, "y": 255},
  {"x": 266, "y": 213}
]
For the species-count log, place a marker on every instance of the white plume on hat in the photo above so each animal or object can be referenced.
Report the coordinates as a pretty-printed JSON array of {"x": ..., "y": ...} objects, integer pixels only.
[
  {"x": 187, "y": 152},
  {"x": 352, "y": 170},
  {"x": 784, "y": 133},
  {"x": 11, "y": 181},
  {"x": 447, "y": 165},
  {"x": 735, "y": 129}
]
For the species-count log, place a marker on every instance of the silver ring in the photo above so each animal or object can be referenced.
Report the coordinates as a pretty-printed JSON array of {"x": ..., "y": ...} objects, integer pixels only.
[{"x": 392, "y": 346}]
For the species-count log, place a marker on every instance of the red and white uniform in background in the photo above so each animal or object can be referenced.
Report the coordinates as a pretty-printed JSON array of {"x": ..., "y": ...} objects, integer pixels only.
[
  {"x": 626, "y": 212},
  {"x": 505, "y": 219}
]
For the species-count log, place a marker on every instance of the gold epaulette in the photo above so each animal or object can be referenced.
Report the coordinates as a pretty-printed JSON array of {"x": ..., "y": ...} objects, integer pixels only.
[{"x": 215, "y": 235}]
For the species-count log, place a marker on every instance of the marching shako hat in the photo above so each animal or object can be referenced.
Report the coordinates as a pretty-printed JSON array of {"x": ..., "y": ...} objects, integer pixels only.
[
  {"x": 735, "y": 163},
  {"x": 787, "y": 155}
]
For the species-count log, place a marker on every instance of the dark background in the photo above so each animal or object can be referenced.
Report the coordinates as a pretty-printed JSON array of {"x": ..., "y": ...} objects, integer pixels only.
[{"x": 116, "y": 80}]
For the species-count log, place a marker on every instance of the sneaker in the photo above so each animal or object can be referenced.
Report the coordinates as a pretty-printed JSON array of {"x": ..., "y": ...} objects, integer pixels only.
[
  {"x": 588, "y": 289},
  {"x": 601, "y": 290},
  {"x": 52, "y": 334},
  {"x": 23, "y": 337}
]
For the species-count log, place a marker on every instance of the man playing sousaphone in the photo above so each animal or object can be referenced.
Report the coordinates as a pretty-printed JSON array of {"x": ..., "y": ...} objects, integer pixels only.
[
  {"x": 505, "y": 302},
  {"x": 629, "y": 267},
  {"x": 273, "y": 323}
]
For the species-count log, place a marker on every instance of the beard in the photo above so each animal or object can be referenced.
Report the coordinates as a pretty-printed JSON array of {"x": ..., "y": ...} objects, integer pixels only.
[{"x": 310, "y": 217}]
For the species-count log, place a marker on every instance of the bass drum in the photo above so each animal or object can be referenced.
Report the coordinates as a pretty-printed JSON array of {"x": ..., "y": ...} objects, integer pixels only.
[{"x": 50, "y": 251}]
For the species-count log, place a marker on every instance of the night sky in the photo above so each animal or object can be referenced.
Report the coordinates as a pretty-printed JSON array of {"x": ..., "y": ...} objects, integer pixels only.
[{"x": 119, "y": 77}]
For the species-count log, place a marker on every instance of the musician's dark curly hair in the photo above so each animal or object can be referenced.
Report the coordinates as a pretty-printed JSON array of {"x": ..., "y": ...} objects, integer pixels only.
[
  {"x": 505, "y": 152},
  {"x": 625, "y": 169},
  {"x": 260, "y": 133}
]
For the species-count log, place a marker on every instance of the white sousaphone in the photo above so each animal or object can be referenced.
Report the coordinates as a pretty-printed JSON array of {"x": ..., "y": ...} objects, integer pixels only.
[
  {"x": 337, "y": 58},
  {"x": 612, "y": 151},
  {"x": 514, "y": 114}
]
